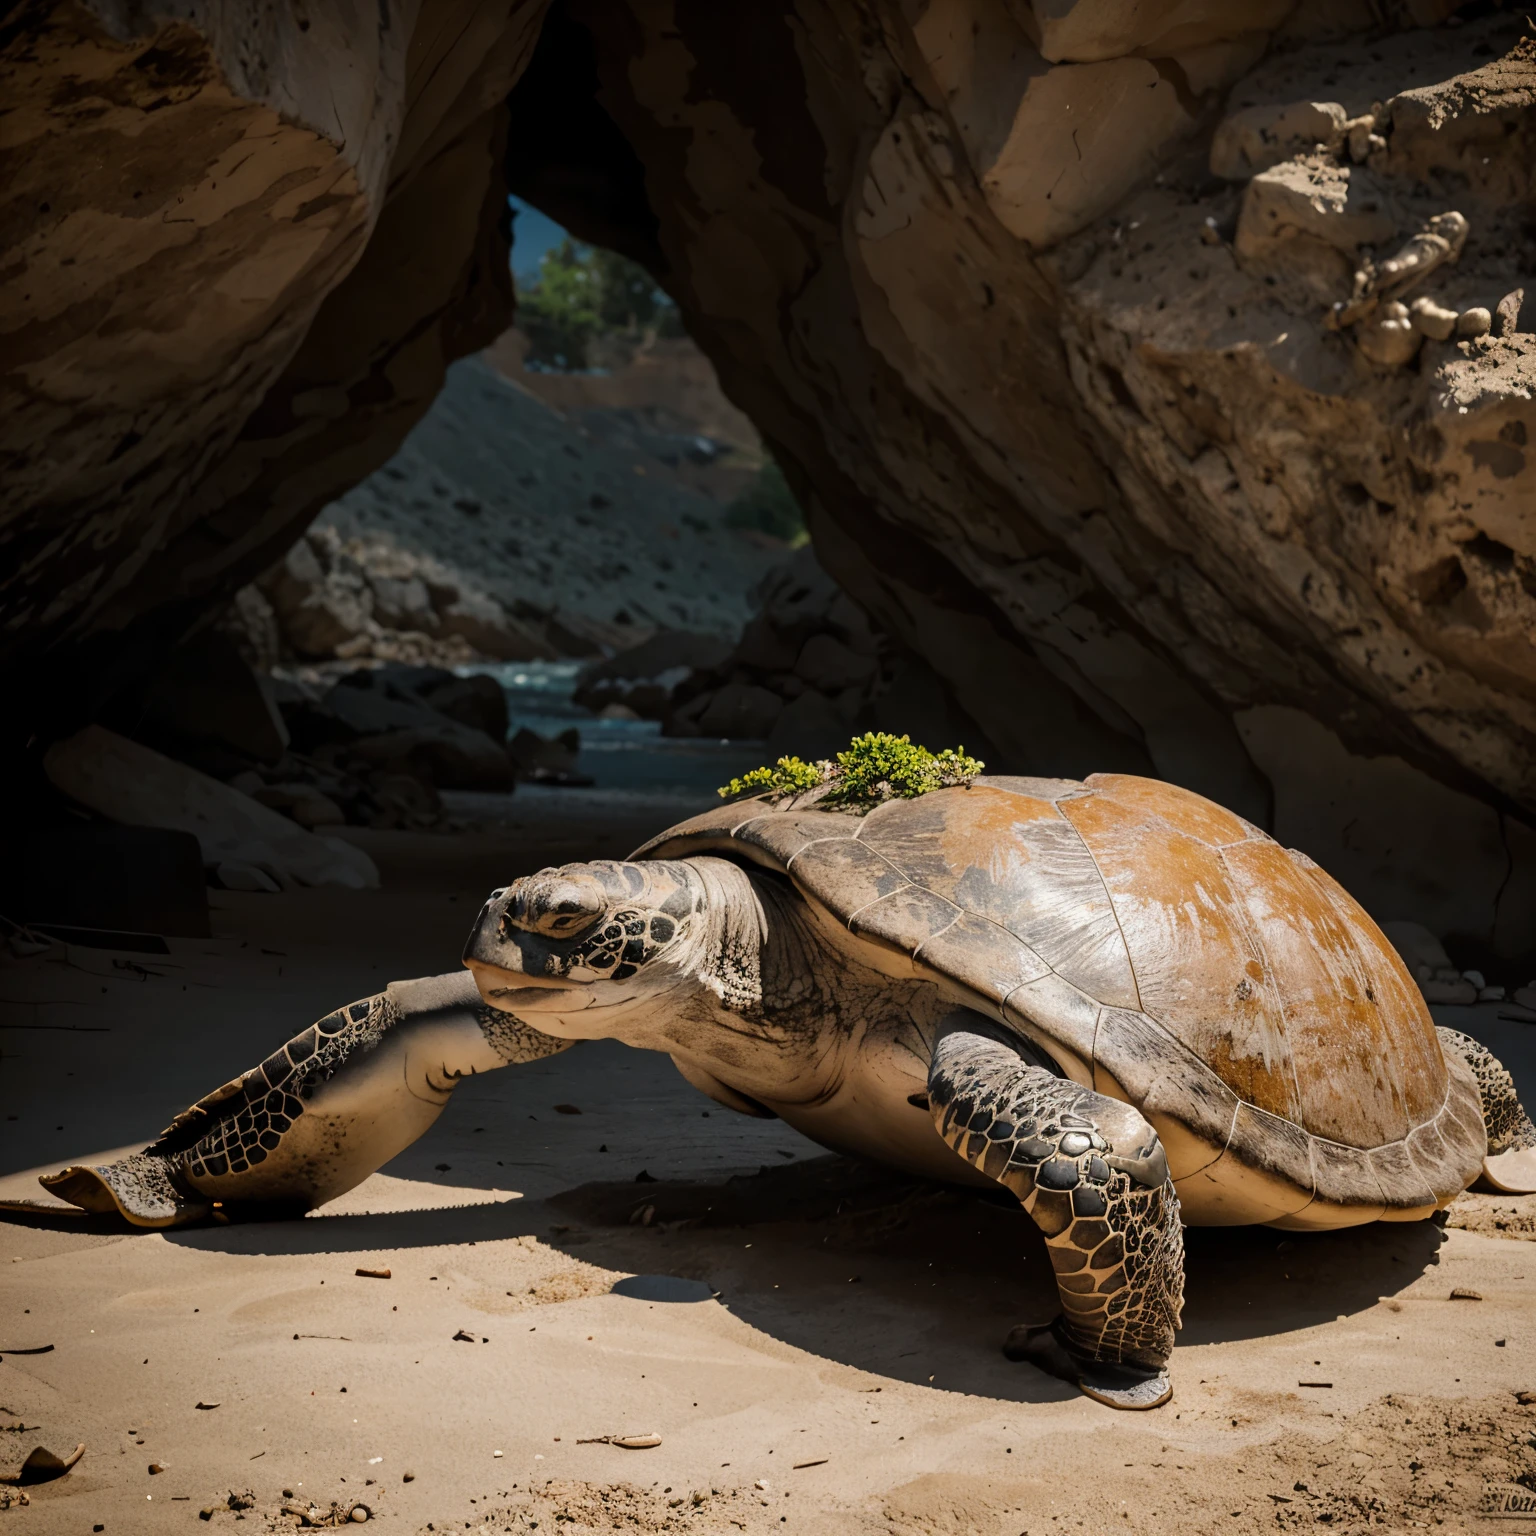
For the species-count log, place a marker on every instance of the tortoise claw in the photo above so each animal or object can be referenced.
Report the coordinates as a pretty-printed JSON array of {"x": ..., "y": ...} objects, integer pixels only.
[
  {"x": 138, "y": 1188},
  {"x": 1130, "y": 1387}
]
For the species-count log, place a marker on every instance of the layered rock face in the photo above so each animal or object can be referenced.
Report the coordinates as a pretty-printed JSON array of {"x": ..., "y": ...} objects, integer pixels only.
[
  {"x": 241, "y": 247},
  {"x": 1158, "y": 373},
  {"x": 1085, "y": 331}
]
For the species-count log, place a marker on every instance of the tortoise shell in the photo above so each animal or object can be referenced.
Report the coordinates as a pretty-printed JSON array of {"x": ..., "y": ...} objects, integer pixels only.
[{"x": 1167, "y": 953}]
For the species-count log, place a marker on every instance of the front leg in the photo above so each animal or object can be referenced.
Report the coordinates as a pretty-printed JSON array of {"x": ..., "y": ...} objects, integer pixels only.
[
  {"x": 1092, "y": 1174},
  {"x": 319, "y": 1114}
]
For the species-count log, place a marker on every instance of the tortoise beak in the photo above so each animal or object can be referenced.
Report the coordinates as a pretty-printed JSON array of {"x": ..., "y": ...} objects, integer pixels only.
[{"x": 515, "y": 992}]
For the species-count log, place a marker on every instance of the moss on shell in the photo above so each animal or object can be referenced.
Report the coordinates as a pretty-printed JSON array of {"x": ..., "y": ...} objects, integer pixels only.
[{"x": 875, "y": 768}]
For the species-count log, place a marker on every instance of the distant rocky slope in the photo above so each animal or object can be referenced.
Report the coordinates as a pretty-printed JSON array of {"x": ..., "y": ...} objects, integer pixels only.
[{"x": 507, "y": 530}]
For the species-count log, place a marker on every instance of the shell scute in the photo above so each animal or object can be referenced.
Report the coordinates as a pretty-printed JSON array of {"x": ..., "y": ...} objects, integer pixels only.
[
  {"x": 785, "y": 838},
  {"x": 1198, "y": 969},
  {"x": 1192, "y": 1110},
  {"x": 1192, "y": 814},
  {"x": 1012, "y": 858},
  {"x": 1403, "y": 1185},
  {"x": 893, "y": 919},
  {"x": 1342, "y": 1045},
  {"x": 969, "y": 947},
  {"x": 1345, "y": 1179},
  {"x": 844, "y": 875},
  {"x": 1052, "y": 1006}
]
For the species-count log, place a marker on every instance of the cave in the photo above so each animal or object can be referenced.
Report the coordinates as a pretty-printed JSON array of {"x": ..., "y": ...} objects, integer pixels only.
[
  {"x": 1138, "y": 392},
  {"x": 1113, "y": 429}
]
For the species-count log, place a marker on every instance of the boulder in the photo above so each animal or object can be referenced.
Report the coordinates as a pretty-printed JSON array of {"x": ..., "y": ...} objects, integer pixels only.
[
  {"x": 475, "y": 700},
  {"x": 479, "y": 620},
  {"x": 97, "y": 874},
  {"x": 302, "y": 803},
  {"x": 1257, "y": 138},
  {"x": 739, "y": 710},
  {"x": 403, "y": 603},
  {"x": 1416, "y": 944},
  {"x": 132, "y": 784},
  {"x": 1086, "y": 30},
  {"x": 642, "y": 679},
  {"x": 809, "y": 726},
  {"x": 208, "y": 692},
  {"x": 828, "y": 664},
  {"x": 381, "y": 730},
  {"x": 320, "y": 611},
  {"x": 548, "y": 759}
]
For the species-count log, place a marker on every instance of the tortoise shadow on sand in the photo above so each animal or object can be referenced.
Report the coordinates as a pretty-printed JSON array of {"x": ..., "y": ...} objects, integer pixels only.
[{"x": 854, "y": 1263}]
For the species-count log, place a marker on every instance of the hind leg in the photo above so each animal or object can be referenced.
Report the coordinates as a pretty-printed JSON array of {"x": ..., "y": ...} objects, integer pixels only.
[
  {"x": 319, "y": 1114},
  {"x": 1510, "y": 1162},
  {"x": 1092, "y": 1174}
]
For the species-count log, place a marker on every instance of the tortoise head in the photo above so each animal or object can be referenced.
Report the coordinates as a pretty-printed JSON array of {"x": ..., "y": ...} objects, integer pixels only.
[{"x": 607, "y": 929}]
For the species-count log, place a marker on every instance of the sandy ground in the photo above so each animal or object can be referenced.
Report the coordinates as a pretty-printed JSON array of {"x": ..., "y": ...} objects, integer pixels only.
[{"x": 815, "y": 1342}]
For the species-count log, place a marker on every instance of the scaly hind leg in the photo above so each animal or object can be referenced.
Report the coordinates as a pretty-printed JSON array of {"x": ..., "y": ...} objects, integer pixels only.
[
  {"x": 1510, "y": 1162},
  {"x": 1092, "y": 1174},
  {"x": 319, "y": 1114}
]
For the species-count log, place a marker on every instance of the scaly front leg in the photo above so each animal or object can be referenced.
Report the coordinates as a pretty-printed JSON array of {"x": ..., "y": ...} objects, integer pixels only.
[
  {"x": 317, "y": 1116},
  {"x": 1092, "y": 1174}
]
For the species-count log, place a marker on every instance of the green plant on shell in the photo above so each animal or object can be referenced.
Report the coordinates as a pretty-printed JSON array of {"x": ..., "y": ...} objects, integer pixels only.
[{"x": 875, "y": 768}]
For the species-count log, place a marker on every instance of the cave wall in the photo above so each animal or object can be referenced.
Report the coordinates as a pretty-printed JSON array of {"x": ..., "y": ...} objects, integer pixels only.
[
  {"x": 1071, "y": 321},
  {"x": 1117, "y": 471},
  {"x": 241, "y": 247}
]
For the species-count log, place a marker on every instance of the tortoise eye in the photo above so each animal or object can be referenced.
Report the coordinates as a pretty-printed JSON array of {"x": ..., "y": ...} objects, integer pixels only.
[{"x": 555, "y": 905}]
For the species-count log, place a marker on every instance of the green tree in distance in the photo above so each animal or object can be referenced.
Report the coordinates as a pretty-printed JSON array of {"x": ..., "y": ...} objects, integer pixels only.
[{"x": 586, "y": 300}]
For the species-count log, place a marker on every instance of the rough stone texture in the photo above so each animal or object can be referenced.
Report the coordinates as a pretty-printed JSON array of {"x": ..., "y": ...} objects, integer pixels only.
[
  {"x": 1127, "y": 480},
  {"x": 240, "y": 248},
  {"x": 1127, "y": 453}
]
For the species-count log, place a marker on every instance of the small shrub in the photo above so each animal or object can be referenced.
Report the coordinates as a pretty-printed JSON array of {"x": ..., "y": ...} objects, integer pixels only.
[
  {"x": 584, "y": 296},
  {"x": 876, "y": 767},
  {"x": 767, "y": 505}
]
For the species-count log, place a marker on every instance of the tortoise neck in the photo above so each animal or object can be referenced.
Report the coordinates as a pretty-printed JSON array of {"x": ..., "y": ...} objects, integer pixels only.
[{"x": 758, "y": 947}]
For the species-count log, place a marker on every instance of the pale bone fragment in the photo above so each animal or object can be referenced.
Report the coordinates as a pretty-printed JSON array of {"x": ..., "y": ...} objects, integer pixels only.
[
  {"x": 1358, "y": 133},
  {"x": 1431, "y": 320},
  {"x": 1360, "y": 303},
  {"x": 1439, "y": 242},
  {"x": 1388, "y": 338},
  {"x": 1507, "y": 315},
  {"x": 1474, "y": 322}
]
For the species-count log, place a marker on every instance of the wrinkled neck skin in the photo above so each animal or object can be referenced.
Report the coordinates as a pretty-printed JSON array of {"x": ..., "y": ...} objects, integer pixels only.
[{"x": 752, "y": 991}]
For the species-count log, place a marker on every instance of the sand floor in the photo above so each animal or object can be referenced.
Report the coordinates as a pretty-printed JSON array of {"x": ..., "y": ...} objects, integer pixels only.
[{"x": 816, "y": 1343}]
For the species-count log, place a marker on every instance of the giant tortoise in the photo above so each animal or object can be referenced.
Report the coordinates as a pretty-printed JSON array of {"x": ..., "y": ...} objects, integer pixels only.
[{"x": 1124, "y": 1003}]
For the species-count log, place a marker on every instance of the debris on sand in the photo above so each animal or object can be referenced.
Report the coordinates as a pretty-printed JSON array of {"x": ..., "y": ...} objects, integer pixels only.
[
  {"x": 311, "y": 1515},
  {"x": 1462, "y": 1293},
  {"x": 232, "y": 1500},
  {"x": 375, "y": 1274},
  {"x": 207, "y": 1407},
  {"x": 626, "y": 1442},
  {"x": 42, "y": 1466}
]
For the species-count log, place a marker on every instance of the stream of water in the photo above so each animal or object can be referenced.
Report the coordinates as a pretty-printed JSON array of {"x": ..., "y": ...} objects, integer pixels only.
[{"x": 629, "y": 756}]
